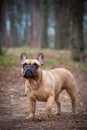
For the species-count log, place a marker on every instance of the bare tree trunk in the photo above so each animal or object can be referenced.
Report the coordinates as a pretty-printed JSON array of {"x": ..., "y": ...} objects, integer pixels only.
[
  {"x": 13, "y": 21},
  {"x": 1, "y": 27},
  {"x": 44, "y": 24},
  {"x": 4, "y": 30},
  {"x": 64, "y": 31},
  {"x": 77, "y": 30},
  {"x": 57, "y": 8},
  {"x": 61, "y": 9},
  {"x": 29, "y": 30},
  {"x": 35, "y": 7}
]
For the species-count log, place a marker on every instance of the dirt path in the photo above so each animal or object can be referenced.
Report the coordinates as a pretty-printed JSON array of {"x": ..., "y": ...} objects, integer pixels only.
[{"x": 14, "y": 107}]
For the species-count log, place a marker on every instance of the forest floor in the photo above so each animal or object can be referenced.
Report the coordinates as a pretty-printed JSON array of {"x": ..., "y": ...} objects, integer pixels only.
[{"x": 14, "y": 107}]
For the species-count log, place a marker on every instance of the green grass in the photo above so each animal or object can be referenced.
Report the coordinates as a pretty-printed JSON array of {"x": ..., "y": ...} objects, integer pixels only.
[
  {"x": 52, "y": 58},
  {"x": 7, "y": 60},
  {"x": 30, "y": 57},
  {"x": 25, "y": 49},
  {"x": 85, "y": 64},
  {"x": 58, "y": 59}
]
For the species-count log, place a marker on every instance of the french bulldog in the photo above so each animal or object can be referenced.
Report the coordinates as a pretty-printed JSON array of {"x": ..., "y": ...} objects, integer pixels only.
[{"x": 46, "y": 85}]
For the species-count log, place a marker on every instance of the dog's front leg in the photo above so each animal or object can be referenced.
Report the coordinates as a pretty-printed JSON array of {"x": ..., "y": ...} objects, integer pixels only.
[
  {"x": 32, "y": 104},
  {"x": 49, "y": 106}
]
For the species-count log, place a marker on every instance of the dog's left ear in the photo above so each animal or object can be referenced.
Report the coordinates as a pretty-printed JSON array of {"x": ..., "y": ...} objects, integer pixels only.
[
  {"x": 23, "y": 57},
  {"x": 40, "y": 57}
]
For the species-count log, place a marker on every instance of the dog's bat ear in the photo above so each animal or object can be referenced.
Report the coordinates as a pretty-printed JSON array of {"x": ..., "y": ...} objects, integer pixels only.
[
  {"x": 40, "y": 57},
  {"x": 23, "y": 57}
]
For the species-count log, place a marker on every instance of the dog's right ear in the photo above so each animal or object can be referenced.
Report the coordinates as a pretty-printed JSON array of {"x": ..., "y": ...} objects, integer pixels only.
[{"x": 23, "y": 57}]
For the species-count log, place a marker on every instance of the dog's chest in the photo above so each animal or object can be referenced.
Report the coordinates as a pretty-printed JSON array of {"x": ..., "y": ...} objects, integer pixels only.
[{"x": 40, "y": 94}]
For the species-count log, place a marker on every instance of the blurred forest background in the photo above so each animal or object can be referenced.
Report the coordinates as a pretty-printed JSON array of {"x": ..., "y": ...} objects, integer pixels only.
[
  {"x": 58, "y": 29},
  {"x": 55, "y": 24}
]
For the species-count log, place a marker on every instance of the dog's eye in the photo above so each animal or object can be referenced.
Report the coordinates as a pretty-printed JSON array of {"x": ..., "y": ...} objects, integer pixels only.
[
  {"x": 35, "y": 65},
  {"x": 24, "y": 65}
]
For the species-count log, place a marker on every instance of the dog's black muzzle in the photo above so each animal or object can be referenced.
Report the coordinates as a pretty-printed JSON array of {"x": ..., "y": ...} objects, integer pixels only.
[{"x": 29, "y": 72}]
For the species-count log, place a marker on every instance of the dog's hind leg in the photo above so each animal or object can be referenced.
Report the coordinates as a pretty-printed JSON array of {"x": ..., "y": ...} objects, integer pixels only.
[
  {"x": 58, "y": 105},
  {"x": 72, "y": 93}
]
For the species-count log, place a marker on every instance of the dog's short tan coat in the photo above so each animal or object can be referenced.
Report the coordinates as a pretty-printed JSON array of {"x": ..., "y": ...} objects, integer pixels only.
[{"x": 47, "y": 87}]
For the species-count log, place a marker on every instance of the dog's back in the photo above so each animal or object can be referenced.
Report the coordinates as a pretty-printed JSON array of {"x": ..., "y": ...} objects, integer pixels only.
[{"x": 60, "y": 75}]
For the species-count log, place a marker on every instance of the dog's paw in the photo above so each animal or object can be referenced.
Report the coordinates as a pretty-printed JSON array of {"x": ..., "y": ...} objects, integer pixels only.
[
  {"x": 58, "y": 114},
  {"x": 30, "y": 117},
  {"x": 49, "y": 113}
]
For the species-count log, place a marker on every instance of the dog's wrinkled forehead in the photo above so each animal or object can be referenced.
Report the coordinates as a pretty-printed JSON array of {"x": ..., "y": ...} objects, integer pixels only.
[{"x": 30, "y": 61}]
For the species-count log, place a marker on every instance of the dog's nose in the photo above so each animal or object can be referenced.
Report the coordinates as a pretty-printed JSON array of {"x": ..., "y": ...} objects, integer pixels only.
[
  {"x": 30, "y": 72},
  {"x": 26, "y": 72}
]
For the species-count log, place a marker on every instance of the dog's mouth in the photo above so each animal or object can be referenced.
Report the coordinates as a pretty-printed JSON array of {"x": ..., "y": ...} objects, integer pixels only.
[{"x": 30, "y": 72}]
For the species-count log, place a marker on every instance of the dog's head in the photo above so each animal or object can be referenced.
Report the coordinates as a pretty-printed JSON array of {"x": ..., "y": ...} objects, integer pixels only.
[{"x": 30, "y": 67}]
